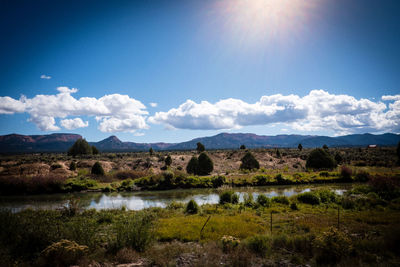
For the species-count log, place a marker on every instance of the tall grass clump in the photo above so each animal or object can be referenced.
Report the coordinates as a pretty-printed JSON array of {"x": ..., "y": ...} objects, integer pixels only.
[
  {"x": 228, "y": 197},
  {"x": 259, "y": 244},
  {"x": 134, "y": 231},
  {"x": 263, "y": 201},
  {"x": 309, "y": 198}
]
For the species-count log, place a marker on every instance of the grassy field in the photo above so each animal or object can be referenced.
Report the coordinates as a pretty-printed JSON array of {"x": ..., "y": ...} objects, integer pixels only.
[{"x": 360, "y": 228}]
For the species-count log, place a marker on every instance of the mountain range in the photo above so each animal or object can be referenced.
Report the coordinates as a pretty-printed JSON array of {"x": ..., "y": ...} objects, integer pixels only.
[{"x": 60, "y": 142}]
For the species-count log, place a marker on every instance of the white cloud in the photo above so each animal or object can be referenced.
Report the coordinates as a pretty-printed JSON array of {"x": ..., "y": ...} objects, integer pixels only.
[
  {"x": 115, "y": 113},
  {"x": 390, "y": 97},
  {"x": 46, "y": 77},
  {"x": 152, "y": 104},
  {"x": 72, "y": 124},
  {"x": 316, "y": 111}
]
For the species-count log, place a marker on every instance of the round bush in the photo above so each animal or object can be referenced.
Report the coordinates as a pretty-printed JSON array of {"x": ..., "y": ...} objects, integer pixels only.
[
  {"x": 225, "y": 197},
  {"x": 308, "y": 198},
  {"x": 206, "y": 165},
  {"x": 97, "y": 169},
  {"x": 249, "y": 162},
  {"x": 192, "y": 207},
  {"x": 320, "y": 159},
  {"x": 263, "y": 200}
]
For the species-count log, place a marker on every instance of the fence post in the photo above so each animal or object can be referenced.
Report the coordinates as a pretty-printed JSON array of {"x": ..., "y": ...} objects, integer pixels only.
[
  {"x": 271, "y": 222},
  {"x": 201, "y": 231}
]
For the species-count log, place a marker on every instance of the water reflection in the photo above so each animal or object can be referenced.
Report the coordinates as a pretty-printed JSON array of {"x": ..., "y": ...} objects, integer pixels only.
[{"x": 147, "y": 199}]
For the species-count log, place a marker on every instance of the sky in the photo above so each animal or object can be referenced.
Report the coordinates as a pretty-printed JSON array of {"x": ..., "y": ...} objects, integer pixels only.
[{"x": 171, "y": 71}]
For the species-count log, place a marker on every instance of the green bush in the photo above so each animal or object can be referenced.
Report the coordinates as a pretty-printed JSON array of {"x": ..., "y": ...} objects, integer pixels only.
[
  {"x": 168, "y": 161},
  {"x": 226, "y": 197},
  {"x": 320, "y": 159},
  {"x": 134, "y": 231},
  {"x": 331, "y": 246},
  {"x": 235, "y": 198},
  {"x": 97, "y": 169},
  {"x": 259, "y": 244},
  {"x": 293, "y": 206},
  {"x": 327, "y": 196},
  {"x": 218, "y": 181},
  {"x": 192, "y": 207},
  {"x": 261, "y": 179},
  {"x": 192, "y": 166},
  {"x": 249, "y": 162},
  {"x": 309, "y": 198},
  {"x": 248, "y": 200},
  {"x": 63, "y": 253},
  {"x": 95, "y": 151},
  {"x": 206, "y": 165},
  {"x": 281, "y": 199},
  {"x": 263, "y": 201},
  {"x": 80, "y": 147}
]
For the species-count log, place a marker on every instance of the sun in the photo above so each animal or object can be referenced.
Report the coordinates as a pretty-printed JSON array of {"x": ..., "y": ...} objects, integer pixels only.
[{"x": 255, "y": 20}]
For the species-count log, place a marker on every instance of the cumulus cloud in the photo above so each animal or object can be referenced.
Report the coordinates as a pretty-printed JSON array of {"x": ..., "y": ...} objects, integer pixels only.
[
  {"x": 72, "y": 124},
  {"x": 319, "y": 110},
  {"x": 115, "y": 113},
  {"x": 46, "y": 77},
  {"x": 391, "y": 97},
  {"x": 152, "y": 104}
]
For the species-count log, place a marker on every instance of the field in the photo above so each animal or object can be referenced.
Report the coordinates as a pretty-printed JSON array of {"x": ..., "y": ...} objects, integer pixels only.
[{"x": 318, "y": 228}]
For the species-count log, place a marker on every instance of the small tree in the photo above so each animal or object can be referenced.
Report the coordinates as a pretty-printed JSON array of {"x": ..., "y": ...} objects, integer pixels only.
[
  {"x": 193, "y": 165},
  {"x": 278, "y": 154},
  {"x": 168, "y": 161},
  {"x": 200, "y": 147},
  {"x": 95, "y": 151},
  {"x": 325, "y": 147},
  {"x": 97, "y": 169},
  {"x": 249, "y": 162},
  {"x": 80, "y": 147},
  {"x": 320, "y": 159},
  {"x": 151, "y": 151},
  {"x": 242, "y": 147},
  {"x": 300, "y": 147},
  {"x": 205, "y": 164}
]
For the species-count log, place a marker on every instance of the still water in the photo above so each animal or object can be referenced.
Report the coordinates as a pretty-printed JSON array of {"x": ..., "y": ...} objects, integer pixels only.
[{"x": 146, "y": 199}]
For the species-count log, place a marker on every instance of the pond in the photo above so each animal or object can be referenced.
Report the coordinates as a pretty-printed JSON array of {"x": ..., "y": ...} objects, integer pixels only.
[{"x": 146, "y": 199}]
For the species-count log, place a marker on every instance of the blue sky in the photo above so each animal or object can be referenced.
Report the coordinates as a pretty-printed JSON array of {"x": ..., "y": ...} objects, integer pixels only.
[{"x": 264, "y": 66}]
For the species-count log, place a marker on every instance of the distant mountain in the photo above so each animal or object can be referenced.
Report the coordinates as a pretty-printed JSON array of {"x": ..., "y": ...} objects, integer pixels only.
[{"x": 15, "y": 143}]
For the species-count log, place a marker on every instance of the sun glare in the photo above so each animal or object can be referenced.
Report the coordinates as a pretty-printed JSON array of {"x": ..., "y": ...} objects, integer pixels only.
[{"x": 258, "y": 20}]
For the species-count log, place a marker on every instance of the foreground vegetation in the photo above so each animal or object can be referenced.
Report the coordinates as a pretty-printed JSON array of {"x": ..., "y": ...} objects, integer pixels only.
[{"x": 317, "y": 228}]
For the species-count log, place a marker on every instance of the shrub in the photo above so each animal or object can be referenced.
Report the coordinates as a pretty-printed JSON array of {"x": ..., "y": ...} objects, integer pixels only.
[
  {"x": 192, "y": 207},
  {"x": 168, "y": 161},
  {"x": 151, "y": 151},
  {"x": 226, "y": 197},
  {"x": 193, "y": 165},
  {"x": 331, "y": 246},
  {"x": 308, "y": 198},
  {"x": 80, "y": 147},
  {"x": 206, "y": 165},
  {"x": 249, "y": 162},
  {"x": 259, "y": 244},
  {"x": 338, "y": 158},
  {"x": 63, "y": 253},
  {"x": 320, "y": 159},
  {"x": 300, "y": 147},
  {"x": 56, "y": 166},
  {"x": 261, "y": 179},
  {"x": 281, "y": 199},
  {"x": 97, "y": 169},
  {"x": 248, "y": 200},
  {"x": 242, "y": 147},
  {"x": 235, "y": 198},
  {"x": 345, "y": 173},
  {"x": 134, "y": 231},
  {"x": 229, "y": 243},
  {"x": 263, "y": 201},
  {"x": 327, "y": 196},
  {"x": 218, "y": 181},
  {"x": 122, "y": 175},
  {"x": 293, "y": 206},
  {"x": 362, "y": 176},
  {"x": 280, "y": 179},
  {"x": 72, "y": 166}
]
